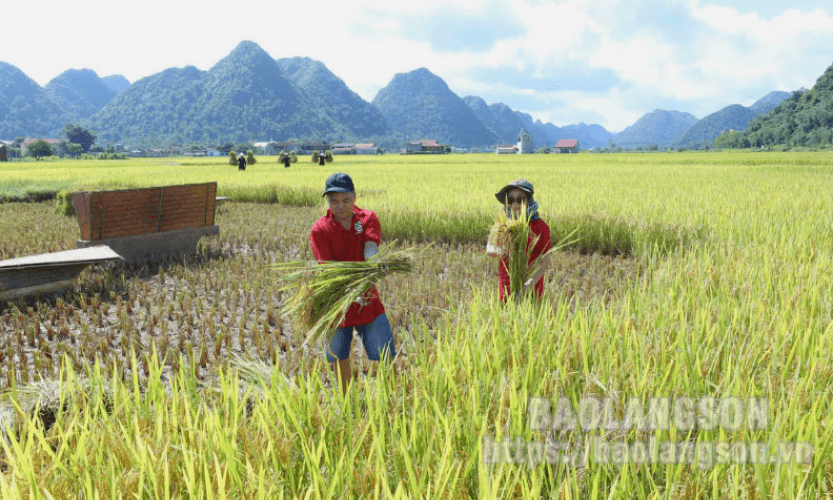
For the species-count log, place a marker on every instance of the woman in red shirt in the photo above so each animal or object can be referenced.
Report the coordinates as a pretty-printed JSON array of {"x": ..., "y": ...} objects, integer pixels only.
[{"x": 514, "y": 196}]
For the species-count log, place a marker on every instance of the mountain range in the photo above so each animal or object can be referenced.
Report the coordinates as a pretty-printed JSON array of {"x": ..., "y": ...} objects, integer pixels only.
[{"x": 249, "y": 96}]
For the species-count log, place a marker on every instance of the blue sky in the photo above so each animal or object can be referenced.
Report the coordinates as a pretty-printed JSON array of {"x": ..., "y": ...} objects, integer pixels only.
[{"x": 592, "y": 61}]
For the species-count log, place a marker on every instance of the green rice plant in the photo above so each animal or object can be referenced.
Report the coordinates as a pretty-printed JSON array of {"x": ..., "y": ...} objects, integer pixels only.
[
  {"x": 65, "y": 205},
  {"x": 319, "y": 294}
]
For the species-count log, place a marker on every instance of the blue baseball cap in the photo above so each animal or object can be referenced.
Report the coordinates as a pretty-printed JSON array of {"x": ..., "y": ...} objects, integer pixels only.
[
  {"x": 521, "y": 184},
  {"x": 339, "y": 183}
]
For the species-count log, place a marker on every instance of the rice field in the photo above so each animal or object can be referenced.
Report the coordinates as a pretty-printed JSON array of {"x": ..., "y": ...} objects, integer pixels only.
[{"x": 700, "y": 280}]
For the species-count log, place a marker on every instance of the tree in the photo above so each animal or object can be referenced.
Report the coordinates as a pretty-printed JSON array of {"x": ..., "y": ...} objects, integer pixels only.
[
  {"x": 225, "y": 148},
  {"x": 79, "y": 135},
  {"x": 3, "y": 154},
  {"x": 39, "y": 149},
  {"x": 74, "y": 149}
]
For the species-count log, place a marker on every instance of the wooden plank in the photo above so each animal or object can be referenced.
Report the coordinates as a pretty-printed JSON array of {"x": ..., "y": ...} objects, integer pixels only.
[
  {"x": 183, "y": 207},
  {"x": 131, "y": 212},
  {"x": 211, "y": 203},
  {"x": 81, "y": 200},
  {"x": 37, "y": 273},
  {"x": 95, "y": 216},
  {"x": 75, "y": 256},
  {"x": 128, "y": 213}
]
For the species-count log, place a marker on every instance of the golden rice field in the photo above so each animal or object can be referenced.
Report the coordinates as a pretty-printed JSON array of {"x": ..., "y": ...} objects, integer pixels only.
[{"x": 700, "y": 280}]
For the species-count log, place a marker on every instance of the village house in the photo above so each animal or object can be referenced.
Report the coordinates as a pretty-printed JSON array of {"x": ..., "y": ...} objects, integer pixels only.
[
  {"x": 566, "y": 146},
  {"x": 367, "y": 149},
  {"x": 506, "y": 149},
  {"x": 425, "y": 146},
  {"x": 308, "y": 147},
  {"x": 343, "y": 149}
]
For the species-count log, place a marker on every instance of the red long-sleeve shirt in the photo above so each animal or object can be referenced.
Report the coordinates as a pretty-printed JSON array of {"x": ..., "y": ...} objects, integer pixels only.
[{"x": 331, "y": 241}]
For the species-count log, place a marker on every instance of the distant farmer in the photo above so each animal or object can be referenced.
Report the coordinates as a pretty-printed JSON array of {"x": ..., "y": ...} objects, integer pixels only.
[
  {"x": 321, "y": 158},
  {"x": 286, "y": 161},
  {"x": 241, "y": 162},
  {"x": 514, "y": 196},
  {"x": 349, "y": 233}
]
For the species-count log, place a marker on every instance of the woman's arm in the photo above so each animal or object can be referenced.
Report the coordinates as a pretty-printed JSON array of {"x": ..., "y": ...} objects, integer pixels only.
[{"x": 543, "y": 263}]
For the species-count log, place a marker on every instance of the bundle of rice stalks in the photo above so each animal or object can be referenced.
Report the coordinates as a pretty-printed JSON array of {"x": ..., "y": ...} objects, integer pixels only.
[
  {"x": 509, "y": 236},
  {"x": 293, "y": 158},
  {"x": 328, "y": 157},
  {"x": 319, "y": 295},
  {"x": 315, "y": 156},
  {"x": 250, "y": 157},
  {"x": 232, "y": 157},
  {"x": 65, "y": 205},
  {"x": 512, "y": 237}
]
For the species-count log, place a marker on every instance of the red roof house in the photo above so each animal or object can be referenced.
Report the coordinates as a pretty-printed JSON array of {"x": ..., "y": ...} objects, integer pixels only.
[{"x": 566, "y": 146}]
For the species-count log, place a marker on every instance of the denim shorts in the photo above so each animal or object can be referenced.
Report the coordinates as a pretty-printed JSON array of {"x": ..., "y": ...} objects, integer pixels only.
[{"x": 376, "y": 336}]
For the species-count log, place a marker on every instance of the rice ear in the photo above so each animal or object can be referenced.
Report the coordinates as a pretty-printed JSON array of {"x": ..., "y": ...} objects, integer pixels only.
[{"x": 320, "y": 294}]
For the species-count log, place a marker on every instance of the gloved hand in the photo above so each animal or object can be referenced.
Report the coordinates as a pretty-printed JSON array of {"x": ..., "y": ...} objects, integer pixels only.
[{"x": 363, "y": 300}]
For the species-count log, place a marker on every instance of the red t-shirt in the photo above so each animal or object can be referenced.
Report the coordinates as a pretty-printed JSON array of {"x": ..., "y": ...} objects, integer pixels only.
[
  {"x": 330, "y": 241},
  {"x": 540, "y": 228}
]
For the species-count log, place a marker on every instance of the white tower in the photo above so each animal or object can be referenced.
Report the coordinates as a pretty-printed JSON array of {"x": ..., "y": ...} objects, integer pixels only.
[{"x": 524, "y": 143}]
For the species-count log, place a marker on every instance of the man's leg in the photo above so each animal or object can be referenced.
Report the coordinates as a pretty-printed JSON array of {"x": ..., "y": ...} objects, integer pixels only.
[
  {"x": 377, "y": 337},
  {"x": 338, "y": 355}
]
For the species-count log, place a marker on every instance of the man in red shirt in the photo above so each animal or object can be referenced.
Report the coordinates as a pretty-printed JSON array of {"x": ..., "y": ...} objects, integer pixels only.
[
  {"x": 514, "y": 196},
  {"x": 349, "y": 233}
]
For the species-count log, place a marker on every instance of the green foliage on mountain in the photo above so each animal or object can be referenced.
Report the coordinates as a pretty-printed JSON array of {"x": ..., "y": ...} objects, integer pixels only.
[
  {"x": 116, "y": 83},
  {"x": 658, "y": 127},
  {"x": 25, "y": 108},
  {"x": 735, "y": 117},
  {"x": 805, "y": 119},
  {"x": 244, "y": 97},
  {"x": 497, "y": 118},
  {"x": 328, "y": 96},
  {"x": 79, "y": 91},
  {"x": 157, "y": 110},
  {"x": 419, "y": 105},
  {"x": 768, "y": 102},
  {"x": 703, "y": 133}
]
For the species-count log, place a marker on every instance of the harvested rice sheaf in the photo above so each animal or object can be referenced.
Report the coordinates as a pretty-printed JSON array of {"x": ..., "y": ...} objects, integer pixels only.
[
  {"x": 318, "y": 295},
  {"x": 510, "y": 236}
]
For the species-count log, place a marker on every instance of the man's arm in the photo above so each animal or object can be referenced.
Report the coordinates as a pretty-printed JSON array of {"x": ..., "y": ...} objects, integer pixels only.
[{"x": 370, "y": 249}]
